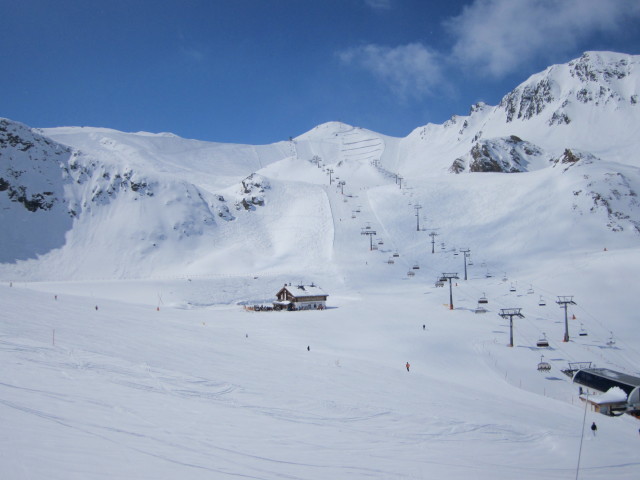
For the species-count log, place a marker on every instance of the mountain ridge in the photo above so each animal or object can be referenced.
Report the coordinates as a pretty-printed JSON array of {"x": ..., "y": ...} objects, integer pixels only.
[{"x": 159, "y": 203}]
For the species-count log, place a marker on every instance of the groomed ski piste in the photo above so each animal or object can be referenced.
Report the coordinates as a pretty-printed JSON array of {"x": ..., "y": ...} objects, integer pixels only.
[{"x": 127, "y": 351}]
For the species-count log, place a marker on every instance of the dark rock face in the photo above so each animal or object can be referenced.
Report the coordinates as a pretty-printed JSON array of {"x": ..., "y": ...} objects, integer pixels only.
[
  {"x": 505, "y": 155},
  {"x": 26, "y": 161},
  {"x": 527, "y": 101}
]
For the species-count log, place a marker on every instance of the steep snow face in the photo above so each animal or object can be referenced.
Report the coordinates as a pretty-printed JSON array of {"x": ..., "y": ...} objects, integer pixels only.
[
  {"x": 33, "y": 204},
  {"x": 211, "y": 166}
]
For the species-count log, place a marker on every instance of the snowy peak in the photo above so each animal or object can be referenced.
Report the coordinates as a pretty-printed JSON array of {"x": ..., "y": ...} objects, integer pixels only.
[{"x": 596, "y": 78}]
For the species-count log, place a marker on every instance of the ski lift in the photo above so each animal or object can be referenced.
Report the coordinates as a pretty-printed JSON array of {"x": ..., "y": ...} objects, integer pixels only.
[
  {"x": 488, "y": 275},
  {"x": 380, "y": 242},
  {"x": 543, "y": 342},
  {"x": 416, "y": 267},
  {"x": 504, "y": 277},
  {"x": 470, "y": 262},
  {"x": 353, "y": 215},
  {"x": 530, "y": 291},
  {"x": 444, "y": 279},
  {"x": 512, "y": 288},
  {"x": 391, "y": 261},
  {"x": 543, "y": 366},
  {"x": 411, "y": 273},
  {"x": 483, "y": 299},
  {"x": 611, "y": 342},
  {"x": 480, "y": 309},
  {"x": 541, "y": 302},
  {"x": 396, "y": 254},
  {"x": 439, "y": 283},
  {"x": 582, "y": 332}
]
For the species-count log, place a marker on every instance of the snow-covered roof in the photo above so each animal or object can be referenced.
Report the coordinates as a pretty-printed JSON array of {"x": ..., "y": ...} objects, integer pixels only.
[
  {"x": 305, "y": 290},
  {"x": 613, "y": 395}
]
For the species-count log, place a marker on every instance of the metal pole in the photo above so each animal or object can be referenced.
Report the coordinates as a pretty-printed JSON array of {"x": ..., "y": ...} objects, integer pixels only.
[
  {"x": 584, "y": 417},
  {"x": 566, "y": 325},
  {"x": 511, "y": 330},
  {"x": 465, "y": 265},
  {"x": 465, "y": 252},
  {"x": 450, "y": 294}
]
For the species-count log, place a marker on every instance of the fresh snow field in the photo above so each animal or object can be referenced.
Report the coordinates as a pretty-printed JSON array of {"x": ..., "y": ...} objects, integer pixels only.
[{"x": 127, "y": 351}]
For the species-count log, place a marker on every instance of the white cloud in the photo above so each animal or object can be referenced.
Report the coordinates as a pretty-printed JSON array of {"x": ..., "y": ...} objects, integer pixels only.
[
  {"x": 499, "y": 36},
  {"x": 410, "y": 71}
]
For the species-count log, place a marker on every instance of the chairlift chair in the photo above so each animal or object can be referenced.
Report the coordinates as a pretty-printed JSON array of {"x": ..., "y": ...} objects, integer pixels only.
[
  {"x": 470, "y": 262},
  {"x": 530, "y": 291},
  {"x": 488, "y": 275},
  {"x": 541, "y": 302},
  {"x": 483, "y": 299},
  {"x": 411, "y": 273},
  {"x": 512, "y": 288},
  {"x": 396, "y": 254},
  {"x": 504, "y": 277},
  {"x": 611, "y": 342},
  {"x": 480, "y": 309},
  {"x": 582, "y": 332},
  {"x": 439, "y": 283},
  {"x": 543, "y": 366},
  {"x": 416, "y": 267},
  {"x": 543, "y": 342},
  {"x": 380, "y": 242},
  {"x": 391, "y": 261}
]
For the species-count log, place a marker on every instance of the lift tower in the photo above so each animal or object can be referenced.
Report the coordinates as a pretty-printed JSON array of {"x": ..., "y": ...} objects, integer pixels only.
[
  {"x": 449, "y": 277},
  {"x": 510, "y": 312},
  {"x": 433, "y": 236},
  {"x": 417, "y": 206},
  {"x": 370, "y": 233},
  {"x": 466, "y": 253},
  {"x": 563, "y": 301}
]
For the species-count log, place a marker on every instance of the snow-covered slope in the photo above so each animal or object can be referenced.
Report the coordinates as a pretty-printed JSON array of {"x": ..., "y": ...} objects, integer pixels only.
[
  {"x": 140, "y": 205},
  {"x": 127, "y": 259}
]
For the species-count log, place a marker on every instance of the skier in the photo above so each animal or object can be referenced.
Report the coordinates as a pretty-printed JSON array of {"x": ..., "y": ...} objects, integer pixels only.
[
  {"x": 308, "y": 348},
  {"x": 594, "y": 428},
  {"x": 423, "y": 327},
  {"x": 408, "y": 366}
]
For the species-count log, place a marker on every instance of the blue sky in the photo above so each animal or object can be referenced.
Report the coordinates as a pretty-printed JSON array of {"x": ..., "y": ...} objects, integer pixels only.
[{"x": 259, "y": 71}]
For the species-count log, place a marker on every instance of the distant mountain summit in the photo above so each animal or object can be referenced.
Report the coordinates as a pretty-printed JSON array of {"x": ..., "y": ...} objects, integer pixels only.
[
  {"x": 598, "y": 79},
  {"x": 590, "y": 104}
]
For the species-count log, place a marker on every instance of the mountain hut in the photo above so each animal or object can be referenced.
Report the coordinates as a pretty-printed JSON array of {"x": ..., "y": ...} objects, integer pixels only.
[{"x": 300, "y": 297}]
